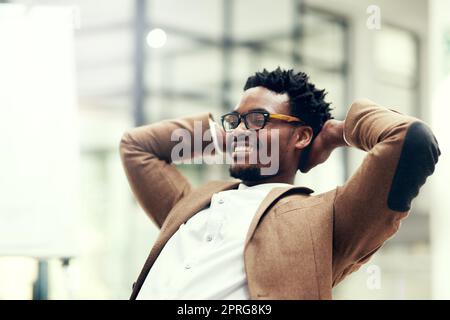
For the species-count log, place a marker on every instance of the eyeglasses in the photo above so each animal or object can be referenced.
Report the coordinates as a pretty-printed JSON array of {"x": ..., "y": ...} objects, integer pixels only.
[{"x": 254, "y": 120}]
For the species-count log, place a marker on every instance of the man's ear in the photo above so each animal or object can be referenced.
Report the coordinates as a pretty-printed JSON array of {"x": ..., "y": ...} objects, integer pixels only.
[{"x": 303, "y": 137}]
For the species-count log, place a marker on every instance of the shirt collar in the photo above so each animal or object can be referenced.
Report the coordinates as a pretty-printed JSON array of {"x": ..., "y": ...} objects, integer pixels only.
[{"x": 264, "y": 186}]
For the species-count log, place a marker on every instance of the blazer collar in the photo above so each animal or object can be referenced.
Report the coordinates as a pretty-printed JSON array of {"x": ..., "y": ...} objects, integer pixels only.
[{"x": 201, "y": 198}]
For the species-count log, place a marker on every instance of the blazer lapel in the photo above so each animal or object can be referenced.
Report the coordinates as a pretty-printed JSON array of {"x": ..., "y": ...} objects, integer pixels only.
[
  {"x": 273, "y": 196},
  {"x": 198, "y": 200}
]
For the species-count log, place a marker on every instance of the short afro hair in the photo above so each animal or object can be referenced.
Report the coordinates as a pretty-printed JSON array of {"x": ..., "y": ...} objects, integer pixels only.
[{"x": 306, "y": 102}]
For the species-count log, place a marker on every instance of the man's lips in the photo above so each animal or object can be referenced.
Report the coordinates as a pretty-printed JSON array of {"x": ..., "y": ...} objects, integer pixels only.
[
  {"x": 245, "y": 147},
  {"x": 243, "y": 152}
]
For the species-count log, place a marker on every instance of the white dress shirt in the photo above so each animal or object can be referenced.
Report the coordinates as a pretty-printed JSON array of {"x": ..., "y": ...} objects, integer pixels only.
[{"x": 204, "y": 259}]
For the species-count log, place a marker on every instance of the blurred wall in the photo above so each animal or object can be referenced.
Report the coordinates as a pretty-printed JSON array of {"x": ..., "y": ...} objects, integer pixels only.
[{"x": 439, "y": 86}]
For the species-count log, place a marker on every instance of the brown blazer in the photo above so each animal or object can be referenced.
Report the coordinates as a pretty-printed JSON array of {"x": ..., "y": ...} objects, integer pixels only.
[{"x": 298, "y": 245}]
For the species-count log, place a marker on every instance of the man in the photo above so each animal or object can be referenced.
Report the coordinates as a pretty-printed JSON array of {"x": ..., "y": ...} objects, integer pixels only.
[{"x": 261, "y": 237}]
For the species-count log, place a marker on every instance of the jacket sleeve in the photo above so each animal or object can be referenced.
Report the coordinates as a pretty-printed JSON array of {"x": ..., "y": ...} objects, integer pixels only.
[
  {"x": 401, "y": 153},
  {"x": 146, "y": 157}
]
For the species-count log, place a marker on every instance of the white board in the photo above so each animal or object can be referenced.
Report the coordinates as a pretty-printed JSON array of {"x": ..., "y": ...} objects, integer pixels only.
[{"x": 39, "y": 150}]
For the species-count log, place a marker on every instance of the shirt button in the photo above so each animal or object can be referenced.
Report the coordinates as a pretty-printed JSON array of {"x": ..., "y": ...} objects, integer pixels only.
[
  {"x": 209, "y": 238},
  {"x": 187, "y": 266},
  {"x": 221, "y": 201}
]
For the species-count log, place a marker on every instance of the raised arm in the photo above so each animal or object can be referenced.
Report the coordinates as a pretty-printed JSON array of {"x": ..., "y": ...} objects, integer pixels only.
[
  {"x": 146, "y": 156},
  {"x": 401, "y": 153}
]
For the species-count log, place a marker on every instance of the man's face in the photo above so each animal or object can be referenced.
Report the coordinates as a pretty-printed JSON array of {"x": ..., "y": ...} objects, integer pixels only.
[{"x": 277, "y": 138}]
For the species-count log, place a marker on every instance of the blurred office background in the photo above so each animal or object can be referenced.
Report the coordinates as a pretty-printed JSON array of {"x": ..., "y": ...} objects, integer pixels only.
[{"x": 140, "y": 61}]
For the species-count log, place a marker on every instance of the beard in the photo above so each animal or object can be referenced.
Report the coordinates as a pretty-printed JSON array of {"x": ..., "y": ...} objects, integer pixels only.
[{"x": 246, "y": 173}]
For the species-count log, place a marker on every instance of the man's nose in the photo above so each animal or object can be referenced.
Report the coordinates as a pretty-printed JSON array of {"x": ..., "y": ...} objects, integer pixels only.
[
  {"x": 241, "y": 134},
  {"x": 241, "y": 129}
]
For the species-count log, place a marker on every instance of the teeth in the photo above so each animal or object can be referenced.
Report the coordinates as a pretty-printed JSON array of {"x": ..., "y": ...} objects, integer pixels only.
[{"x": 243, "y": 149}]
